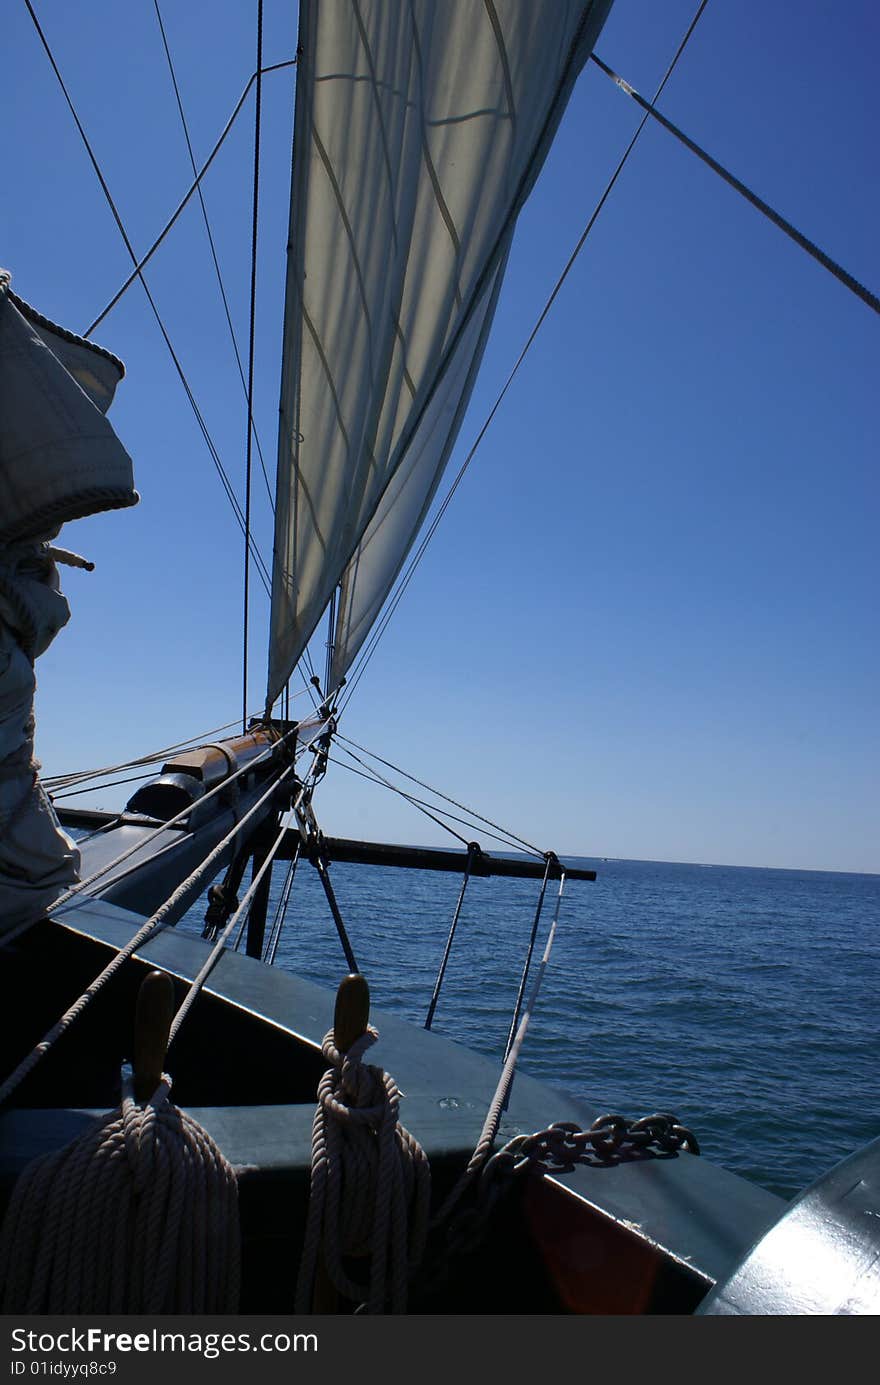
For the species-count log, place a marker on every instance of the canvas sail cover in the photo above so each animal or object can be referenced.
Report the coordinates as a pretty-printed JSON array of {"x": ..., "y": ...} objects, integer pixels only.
[
  {"x": 59, "y": 460},
  {"x": 420, "y": 129}
]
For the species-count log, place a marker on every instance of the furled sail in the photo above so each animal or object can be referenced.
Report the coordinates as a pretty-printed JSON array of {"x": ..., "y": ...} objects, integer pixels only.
[
  {"x": 59, "y": 460},
  {"x": 420, "y": 129}
]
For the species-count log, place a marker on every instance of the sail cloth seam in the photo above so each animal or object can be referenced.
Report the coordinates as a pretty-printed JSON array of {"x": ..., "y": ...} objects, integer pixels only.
[
  {"x": 445, "y": 214},
  {"x": 153, "y": 926},
  {"x": 848, "y": 280},
  {"x": 369, "y": 649},
  {"x": 482, "y": 283},
  {"x": 210, "y": 236},
  {"x": 40, "y": 320}
]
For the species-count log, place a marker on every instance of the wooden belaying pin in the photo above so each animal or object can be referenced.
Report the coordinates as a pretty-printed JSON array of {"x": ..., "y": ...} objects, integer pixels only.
[
  {"x": 152, "y": 1021},
  {"x": 352, "y": 1013}
]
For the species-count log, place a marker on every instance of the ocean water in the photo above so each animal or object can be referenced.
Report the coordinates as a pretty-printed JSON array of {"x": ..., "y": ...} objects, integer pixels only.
[{"x": 744, "y": 1000}]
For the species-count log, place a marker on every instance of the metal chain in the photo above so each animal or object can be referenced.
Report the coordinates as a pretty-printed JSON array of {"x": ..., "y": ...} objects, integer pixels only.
[{"x": 610, "y": 1140}]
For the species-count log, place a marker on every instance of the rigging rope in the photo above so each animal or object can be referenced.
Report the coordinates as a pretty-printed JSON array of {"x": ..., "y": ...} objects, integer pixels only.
[
  {"x": 108, "y": 784},
  {"x": 171, "y": 822},
  {"x": 502, "y": 1091},
  {"x": 280, "y": 918},
  {"x": 841, "y": 274},
  {"x": 63, "y": 780},
  {"x": 153, "y": 926},
  {"x": 368, "y": 1171},
  {"x": 210, "y": 236},
  {"x": 509, "y": 836},
  {"x": 250, "y": 385},
  {"x": 219, "y": 946},
  {"x": 375, "y": 778},
  {"x": 379, "y": 630},
  {"x": 551, "y": 860},
  {"x": 473, "y": 851},
  {"x": 138, "y": 1215},
  {"x": 195, "y": 186},
  {"x": 215, "y": 456}
]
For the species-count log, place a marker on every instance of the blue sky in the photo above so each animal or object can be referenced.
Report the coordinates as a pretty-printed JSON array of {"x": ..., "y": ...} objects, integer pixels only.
[{"x": 647, "y": 626}]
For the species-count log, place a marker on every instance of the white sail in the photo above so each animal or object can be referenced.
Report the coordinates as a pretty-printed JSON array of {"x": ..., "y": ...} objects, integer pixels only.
[{"x": 420, "y": 129}]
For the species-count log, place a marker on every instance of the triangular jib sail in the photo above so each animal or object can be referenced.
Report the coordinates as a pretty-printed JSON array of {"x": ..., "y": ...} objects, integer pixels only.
[{"x": 420, "y": 129}]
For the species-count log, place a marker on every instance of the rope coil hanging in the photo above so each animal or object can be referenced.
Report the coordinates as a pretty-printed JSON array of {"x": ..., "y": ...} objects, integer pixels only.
[
  {"x": 370, "y": 1185},
  {"x": 137, "y": 1215}
]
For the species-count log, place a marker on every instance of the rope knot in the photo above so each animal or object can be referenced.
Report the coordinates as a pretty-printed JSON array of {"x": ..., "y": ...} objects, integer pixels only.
[
  {"x": 140, "y": 1128},
  {"x": 139, "y": 1214},
  {"x": 368, "y": 1177}
]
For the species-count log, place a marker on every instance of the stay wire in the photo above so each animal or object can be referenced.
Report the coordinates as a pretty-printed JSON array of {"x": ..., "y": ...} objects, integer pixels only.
[
  {"x": 81, "y": 885},
  {"x": 509, "y": 836},
  {"x": 220, "y": 284},
  {"x": 215, "y": 456},
  {"x": 250, "y": 383},
  {"x": 94, "y": 788},
  {"x": 63, "y": 780},
  {"x": 280, "y": 918},
  {"x": 194, "y": 187},
  {"x": 370, "y": 648},
  {"x": 374, "y": 777},
  {"x": 842, "y": 275}
]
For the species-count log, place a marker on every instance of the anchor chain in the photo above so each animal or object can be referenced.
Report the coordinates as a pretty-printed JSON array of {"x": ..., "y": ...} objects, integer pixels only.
[{"x": 609, "y": 1140}]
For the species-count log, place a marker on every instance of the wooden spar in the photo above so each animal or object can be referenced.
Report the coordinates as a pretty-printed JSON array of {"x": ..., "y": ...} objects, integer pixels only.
[
  {"x": 430, "y": 858},
  {"x": 378, "y": 853}
]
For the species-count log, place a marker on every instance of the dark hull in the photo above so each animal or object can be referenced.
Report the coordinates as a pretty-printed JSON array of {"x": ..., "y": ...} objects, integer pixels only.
[{"x": 648, "y": 1234}]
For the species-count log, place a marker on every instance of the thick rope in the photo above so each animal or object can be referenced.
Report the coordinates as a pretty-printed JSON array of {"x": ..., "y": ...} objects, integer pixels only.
[
  {"x": 138, "y": 1215},
  {"x": 155, "y": 924},
  {"x": 220, "y": 788},
  {"x": 370, "y": 1186},
  {"x": 499, "y": 1101}
]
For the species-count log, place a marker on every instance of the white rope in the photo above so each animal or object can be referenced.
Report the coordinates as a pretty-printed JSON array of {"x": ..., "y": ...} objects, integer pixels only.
[
  {"x": 370, "y": 1186},
  {"x": 502, "y": 1091},
  {"x": 149, "y": 929},
  {"x": 184, "y": 812},
  {"x": 215, "y": 953},
  {"x": 138, "y": 1215},
  {"x": 77, "y": 776}
]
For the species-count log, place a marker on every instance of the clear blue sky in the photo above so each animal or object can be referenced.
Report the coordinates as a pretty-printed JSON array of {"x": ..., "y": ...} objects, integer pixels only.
[{"x": 648, "y": 624}]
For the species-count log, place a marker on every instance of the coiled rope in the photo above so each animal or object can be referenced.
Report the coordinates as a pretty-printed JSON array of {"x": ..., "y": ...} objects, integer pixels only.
[
  {"x": 138, "y": 1215},
  {"x": 370, "y": 1184}
]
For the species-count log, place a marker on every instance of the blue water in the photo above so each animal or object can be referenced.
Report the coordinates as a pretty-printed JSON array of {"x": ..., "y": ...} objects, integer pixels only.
[{"x": 742, "y": 999}]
